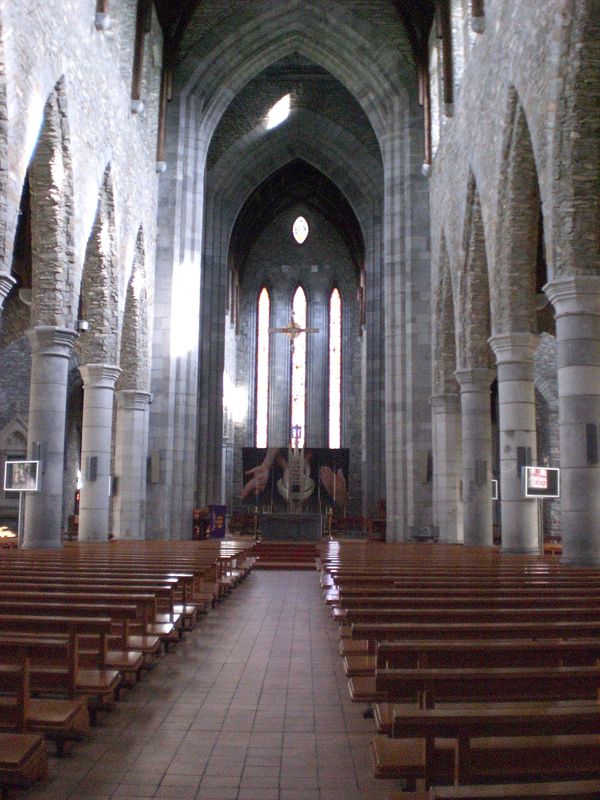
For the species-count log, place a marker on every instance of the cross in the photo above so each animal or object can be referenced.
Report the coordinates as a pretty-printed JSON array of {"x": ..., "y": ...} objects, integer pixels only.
[{"x": 293, "y": 330}]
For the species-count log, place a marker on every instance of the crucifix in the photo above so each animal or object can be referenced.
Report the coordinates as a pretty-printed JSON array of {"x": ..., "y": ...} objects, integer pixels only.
[
  {"x": 293, "y": 330},
  {"x": 298, "y": 482}
]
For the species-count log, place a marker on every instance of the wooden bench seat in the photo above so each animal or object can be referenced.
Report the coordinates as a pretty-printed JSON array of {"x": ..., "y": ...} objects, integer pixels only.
[
  {"x": 500, "y": 759},
  {"x": 23, "y": 761},
  {"x": 60, "y": 720},
  {"x": 473, "y": 601},
  {"x": 555, "y": 613},
  {"x": 428, "y": 686},
  {"x": 467, "y": 722},
  {"x": 374, "y": 632},
  {"x": 474, "y": 652},
  {"x": 106, "y": 681},
  {"x": 559, "y": 790}
]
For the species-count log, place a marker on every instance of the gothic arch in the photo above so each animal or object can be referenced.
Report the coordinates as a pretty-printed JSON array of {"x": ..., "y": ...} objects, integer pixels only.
[
  {"x": 514, "y": 277},
  {"x": 474, "y": 350},
  {"x": 52, "y": 212},
  {"x": 4, "y": 246},
  {"x": 286, "y": 28},
  {"x": 575, "y": 171},
  {"x": 444, "y": 336},
  {"x": 134, "y": 336},
  {"x": 99, "y": 301},
  {"x": 323, "y": 146}
]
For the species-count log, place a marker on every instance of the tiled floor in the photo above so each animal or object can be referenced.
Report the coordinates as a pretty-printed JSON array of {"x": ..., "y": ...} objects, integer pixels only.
[{"x": 252, "y": 705}]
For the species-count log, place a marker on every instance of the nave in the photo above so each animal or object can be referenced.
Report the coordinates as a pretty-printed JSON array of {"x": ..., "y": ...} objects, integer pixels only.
[{"x": 251, "y": 705}]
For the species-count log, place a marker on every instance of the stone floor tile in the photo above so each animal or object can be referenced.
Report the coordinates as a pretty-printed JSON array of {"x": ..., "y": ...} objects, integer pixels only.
[
  {"x": 258, "y": 793},
  {"x": 252, "y": 705}
]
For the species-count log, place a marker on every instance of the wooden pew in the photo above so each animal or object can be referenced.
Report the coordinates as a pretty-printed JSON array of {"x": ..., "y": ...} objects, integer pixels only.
[
  {"x": 61, "y": 720},
  {"x": 23, "y": 761},
  {"x": 447, "y": 615},
  {"x": 378, "y": 631},
  {"x": 425, "y": 688},
  {"x": 474, "y": 721},
  {"x": 98, "y": 685},
  {"x": 567, "y": 790},
  {"x": 474, "y": 652}
]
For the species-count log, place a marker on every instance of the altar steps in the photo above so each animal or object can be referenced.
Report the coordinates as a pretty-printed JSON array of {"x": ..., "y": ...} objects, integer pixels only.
[{"x": 286, "y": 555}]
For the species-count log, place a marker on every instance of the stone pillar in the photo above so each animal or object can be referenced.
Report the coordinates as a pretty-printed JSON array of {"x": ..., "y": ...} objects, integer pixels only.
[
  {"x": 96, "y": 438},
  {"x": 129, "y": 503},
  {"x": 6, "y": 284},
  {"x": 50, "y": 351},
  {"x": 576, "y": 301},
  {"x": 476, "y": 454},
  {"x": 516, "y": 393},
  {"x": 447, "y": 466}
]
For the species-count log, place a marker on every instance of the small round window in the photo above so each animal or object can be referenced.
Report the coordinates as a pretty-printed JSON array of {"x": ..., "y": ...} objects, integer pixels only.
[{"x": 300, "y": 230}]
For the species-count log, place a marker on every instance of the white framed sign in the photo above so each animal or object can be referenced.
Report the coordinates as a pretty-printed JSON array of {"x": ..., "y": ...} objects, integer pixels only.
[
  {"x": 494, "y": 489},
  {"x": 21, "y": 476},
  {"x": 541, "y": 482}
]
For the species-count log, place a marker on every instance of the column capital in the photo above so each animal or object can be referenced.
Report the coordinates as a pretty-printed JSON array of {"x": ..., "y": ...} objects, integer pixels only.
[
  {"x": 49, "y": 340},
  {"x": 510, "y": 348},
  {"x": 132, "y": 399},
  {"x": 445, "y": 402},
  {"x": 99, "y": 376},
  {"x": 6, "y": 283},
  {"x": 475, "y": 379},
  {"x": 574, "y": 294}
]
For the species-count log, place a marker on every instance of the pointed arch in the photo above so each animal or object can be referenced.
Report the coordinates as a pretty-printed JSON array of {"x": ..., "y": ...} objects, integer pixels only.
[
  {"x": 263, "y": 351},
  {"x": 99, "y": 284},
  {"x": 335, "y": 368},
  {"x": 520, "y": 223},
  {"x": 134, "y": 336},
  {"x": 575, "y": 167},
  {"x": 475, "y": 291},
  {"x": 444, "y": 337},
  {"x": 52, "y": 217},
  {"x": 299, "y": 362},
  {"x": 4, "y": 176},
  {"x": 287, "y": 28}
]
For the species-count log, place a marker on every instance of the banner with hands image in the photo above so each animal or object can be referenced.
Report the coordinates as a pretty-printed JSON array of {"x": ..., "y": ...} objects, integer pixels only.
[{"x": 266, "y": 478}]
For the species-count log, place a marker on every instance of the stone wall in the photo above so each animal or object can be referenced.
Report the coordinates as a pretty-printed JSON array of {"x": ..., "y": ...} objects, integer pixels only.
[
  {"x": 318, "y": 265},
  {"x": 67, "y": 116},
  {"x": 519, "y": 119}
]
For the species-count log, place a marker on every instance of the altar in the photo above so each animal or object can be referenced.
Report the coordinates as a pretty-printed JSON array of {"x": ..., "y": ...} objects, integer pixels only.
[{"x": 283, "y": 526}]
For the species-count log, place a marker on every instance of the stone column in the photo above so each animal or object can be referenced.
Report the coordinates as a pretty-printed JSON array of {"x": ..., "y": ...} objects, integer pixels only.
[
  {"x": 6, "y": 284},
  {"x": 446, "y": 422},
  {"x": 96, "y": 438},
  {"x": 576, "y": 301},
  {"x": 476, "y": 454},
  {"x": 516, "y": 393},
  {"x": 129, "y": 503},
  {"x": 50, "y": 351}
]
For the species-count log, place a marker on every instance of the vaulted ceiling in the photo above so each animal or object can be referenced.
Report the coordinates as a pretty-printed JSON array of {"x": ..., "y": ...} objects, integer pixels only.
[{"x": 175, "y": 17}]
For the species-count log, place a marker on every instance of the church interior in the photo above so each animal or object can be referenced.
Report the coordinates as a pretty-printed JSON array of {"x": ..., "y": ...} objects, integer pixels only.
[{"x": 320, "y": 277}]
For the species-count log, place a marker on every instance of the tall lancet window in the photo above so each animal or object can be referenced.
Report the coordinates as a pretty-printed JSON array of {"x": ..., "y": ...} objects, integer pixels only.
[
  {"x": 335, "y": 369},
  {"x": 262, "y": 367},
  {"x": 298, "y": 415}
]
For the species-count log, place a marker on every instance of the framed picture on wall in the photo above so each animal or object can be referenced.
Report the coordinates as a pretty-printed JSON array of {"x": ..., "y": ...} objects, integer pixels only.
[{"x": 21, "y": 476}]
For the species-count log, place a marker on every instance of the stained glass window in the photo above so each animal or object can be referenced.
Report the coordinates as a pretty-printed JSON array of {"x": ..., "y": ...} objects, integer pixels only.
[
  {"x": 300, "y": 230},
  {"x": 335, "y": 369},
  {"x": 298, "y": 410},
  {"x": 262, "y": 368}
]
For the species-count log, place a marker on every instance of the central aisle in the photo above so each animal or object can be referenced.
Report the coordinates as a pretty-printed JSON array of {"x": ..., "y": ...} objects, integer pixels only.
[{"x": 252, "y": 705}]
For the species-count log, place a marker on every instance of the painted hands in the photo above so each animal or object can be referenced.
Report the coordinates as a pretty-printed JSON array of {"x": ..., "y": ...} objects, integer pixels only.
[{"x": 335, "y": 484}]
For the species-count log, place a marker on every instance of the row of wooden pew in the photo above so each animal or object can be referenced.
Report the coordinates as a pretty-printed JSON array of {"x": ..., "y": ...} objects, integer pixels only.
[
  {"x": 480, "y": 669},
  {"x": 79, "y": 626}
]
